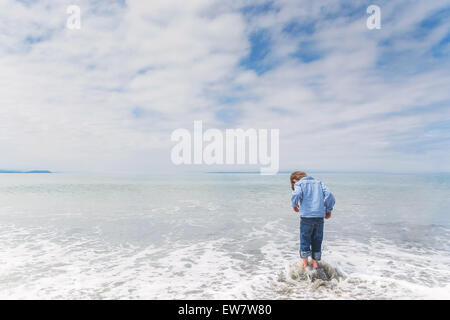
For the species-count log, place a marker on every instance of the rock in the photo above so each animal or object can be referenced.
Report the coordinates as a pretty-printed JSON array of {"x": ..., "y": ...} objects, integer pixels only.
[{"x": 319, "y": 274}]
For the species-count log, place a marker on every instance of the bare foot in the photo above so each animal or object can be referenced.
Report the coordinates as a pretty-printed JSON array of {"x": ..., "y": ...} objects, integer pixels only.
[
  {"x": 315, "y": 264},
  {"x": 304, "y": 263}
]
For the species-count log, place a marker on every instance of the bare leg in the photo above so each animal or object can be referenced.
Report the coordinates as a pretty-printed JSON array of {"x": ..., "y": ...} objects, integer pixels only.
[
  {"x": 315, "y": 264},
  {"x": 305, "y": 262}
]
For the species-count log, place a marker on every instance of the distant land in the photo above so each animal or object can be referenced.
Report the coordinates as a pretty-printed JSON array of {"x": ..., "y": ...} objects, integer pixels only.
[{"x": 31, "y": 171}]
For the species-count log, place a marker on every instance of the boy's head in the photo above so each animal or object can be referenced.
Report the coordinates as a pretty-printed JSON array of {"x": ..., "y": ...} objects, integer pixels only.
[{"x": 296, "y": 176}]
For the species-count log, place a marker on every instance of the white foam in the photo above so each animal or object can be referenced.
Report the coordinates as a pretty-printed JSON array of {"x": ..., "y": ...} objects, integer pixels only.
[{"x": 46, "y": 264}]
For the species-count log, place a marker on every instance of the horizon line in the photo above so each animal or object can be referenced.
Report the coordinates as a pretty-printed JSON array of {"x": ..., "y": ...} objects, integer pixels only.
[{"x": 45, "y": 171}]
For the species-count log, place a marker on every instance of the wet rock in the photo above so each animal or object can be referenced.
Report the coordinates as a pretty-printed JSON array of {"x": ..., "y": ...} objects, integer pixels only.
[
  {"x": 295, "y": 273},
  {"x": 319, "y": 274}
]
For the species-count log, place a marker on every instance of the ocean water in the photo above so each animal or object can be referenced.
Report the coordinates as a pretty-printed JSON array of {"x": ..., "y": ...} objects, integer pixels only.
[{"x": 219, "y": 236}]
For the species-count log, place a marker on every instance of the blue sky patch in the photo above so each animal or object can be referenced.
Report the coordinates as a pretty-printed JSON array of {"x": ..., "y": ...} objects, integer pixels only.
[
  {"x": 260, "y": 44},
  {"x": 308, "y": 52},
  {"x": 228, "y": 114},
  {"x": 299, "y": 28},
  {"x": 259, "y": 9}
]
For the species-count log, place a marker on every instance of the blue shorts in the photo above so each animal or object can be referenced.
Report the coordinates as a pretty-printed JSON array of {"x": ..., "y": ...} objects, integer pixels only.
[{"x": 311, "y": 236}]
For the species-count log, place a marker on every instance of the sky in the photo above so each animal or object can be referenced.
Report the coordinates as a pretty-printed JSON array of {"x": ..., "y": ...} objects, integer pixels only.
[{"x": 108, "y": 96}]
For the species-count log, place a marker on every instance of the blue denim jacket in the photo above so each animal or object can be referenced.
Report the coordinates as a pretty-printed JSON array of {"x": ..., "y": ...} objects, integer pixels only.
[{"x": 314, "y": 198}]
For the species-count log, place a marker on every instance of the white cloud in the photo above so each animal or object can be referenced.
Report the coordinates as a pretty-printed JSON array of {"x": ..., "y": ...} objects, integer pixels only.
[{"x": 67, "y": 97}]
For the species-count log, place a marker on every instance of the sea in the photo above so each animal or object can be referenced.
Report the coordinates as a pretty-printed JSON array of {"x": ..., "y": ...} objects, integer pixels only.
[{"x": 220, "y": 236}]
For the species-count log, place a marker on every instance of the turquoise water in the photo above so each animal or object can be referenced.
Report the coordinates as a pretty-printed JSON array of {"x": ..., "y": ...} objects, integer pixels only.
[{"x": 218, "y": 236}]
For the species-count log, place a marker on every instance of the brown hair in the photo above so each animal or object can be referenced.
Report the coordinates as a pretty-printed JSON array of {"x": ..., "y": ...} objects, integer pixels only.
[{"x": 297, "y": 175}]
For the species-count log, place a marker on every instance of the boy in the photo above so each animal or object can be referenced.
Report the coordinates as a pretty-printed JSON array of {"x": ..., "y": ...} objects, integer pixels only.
[{"x": 315, "y": 202}]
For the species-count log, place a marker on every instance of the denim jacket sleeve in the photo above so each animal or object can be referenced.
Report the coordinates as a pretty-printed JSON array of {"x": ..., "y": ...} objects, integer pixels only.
[
  {"x": 328, "y": 198},
  {"x": 297, "y": 195}
]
